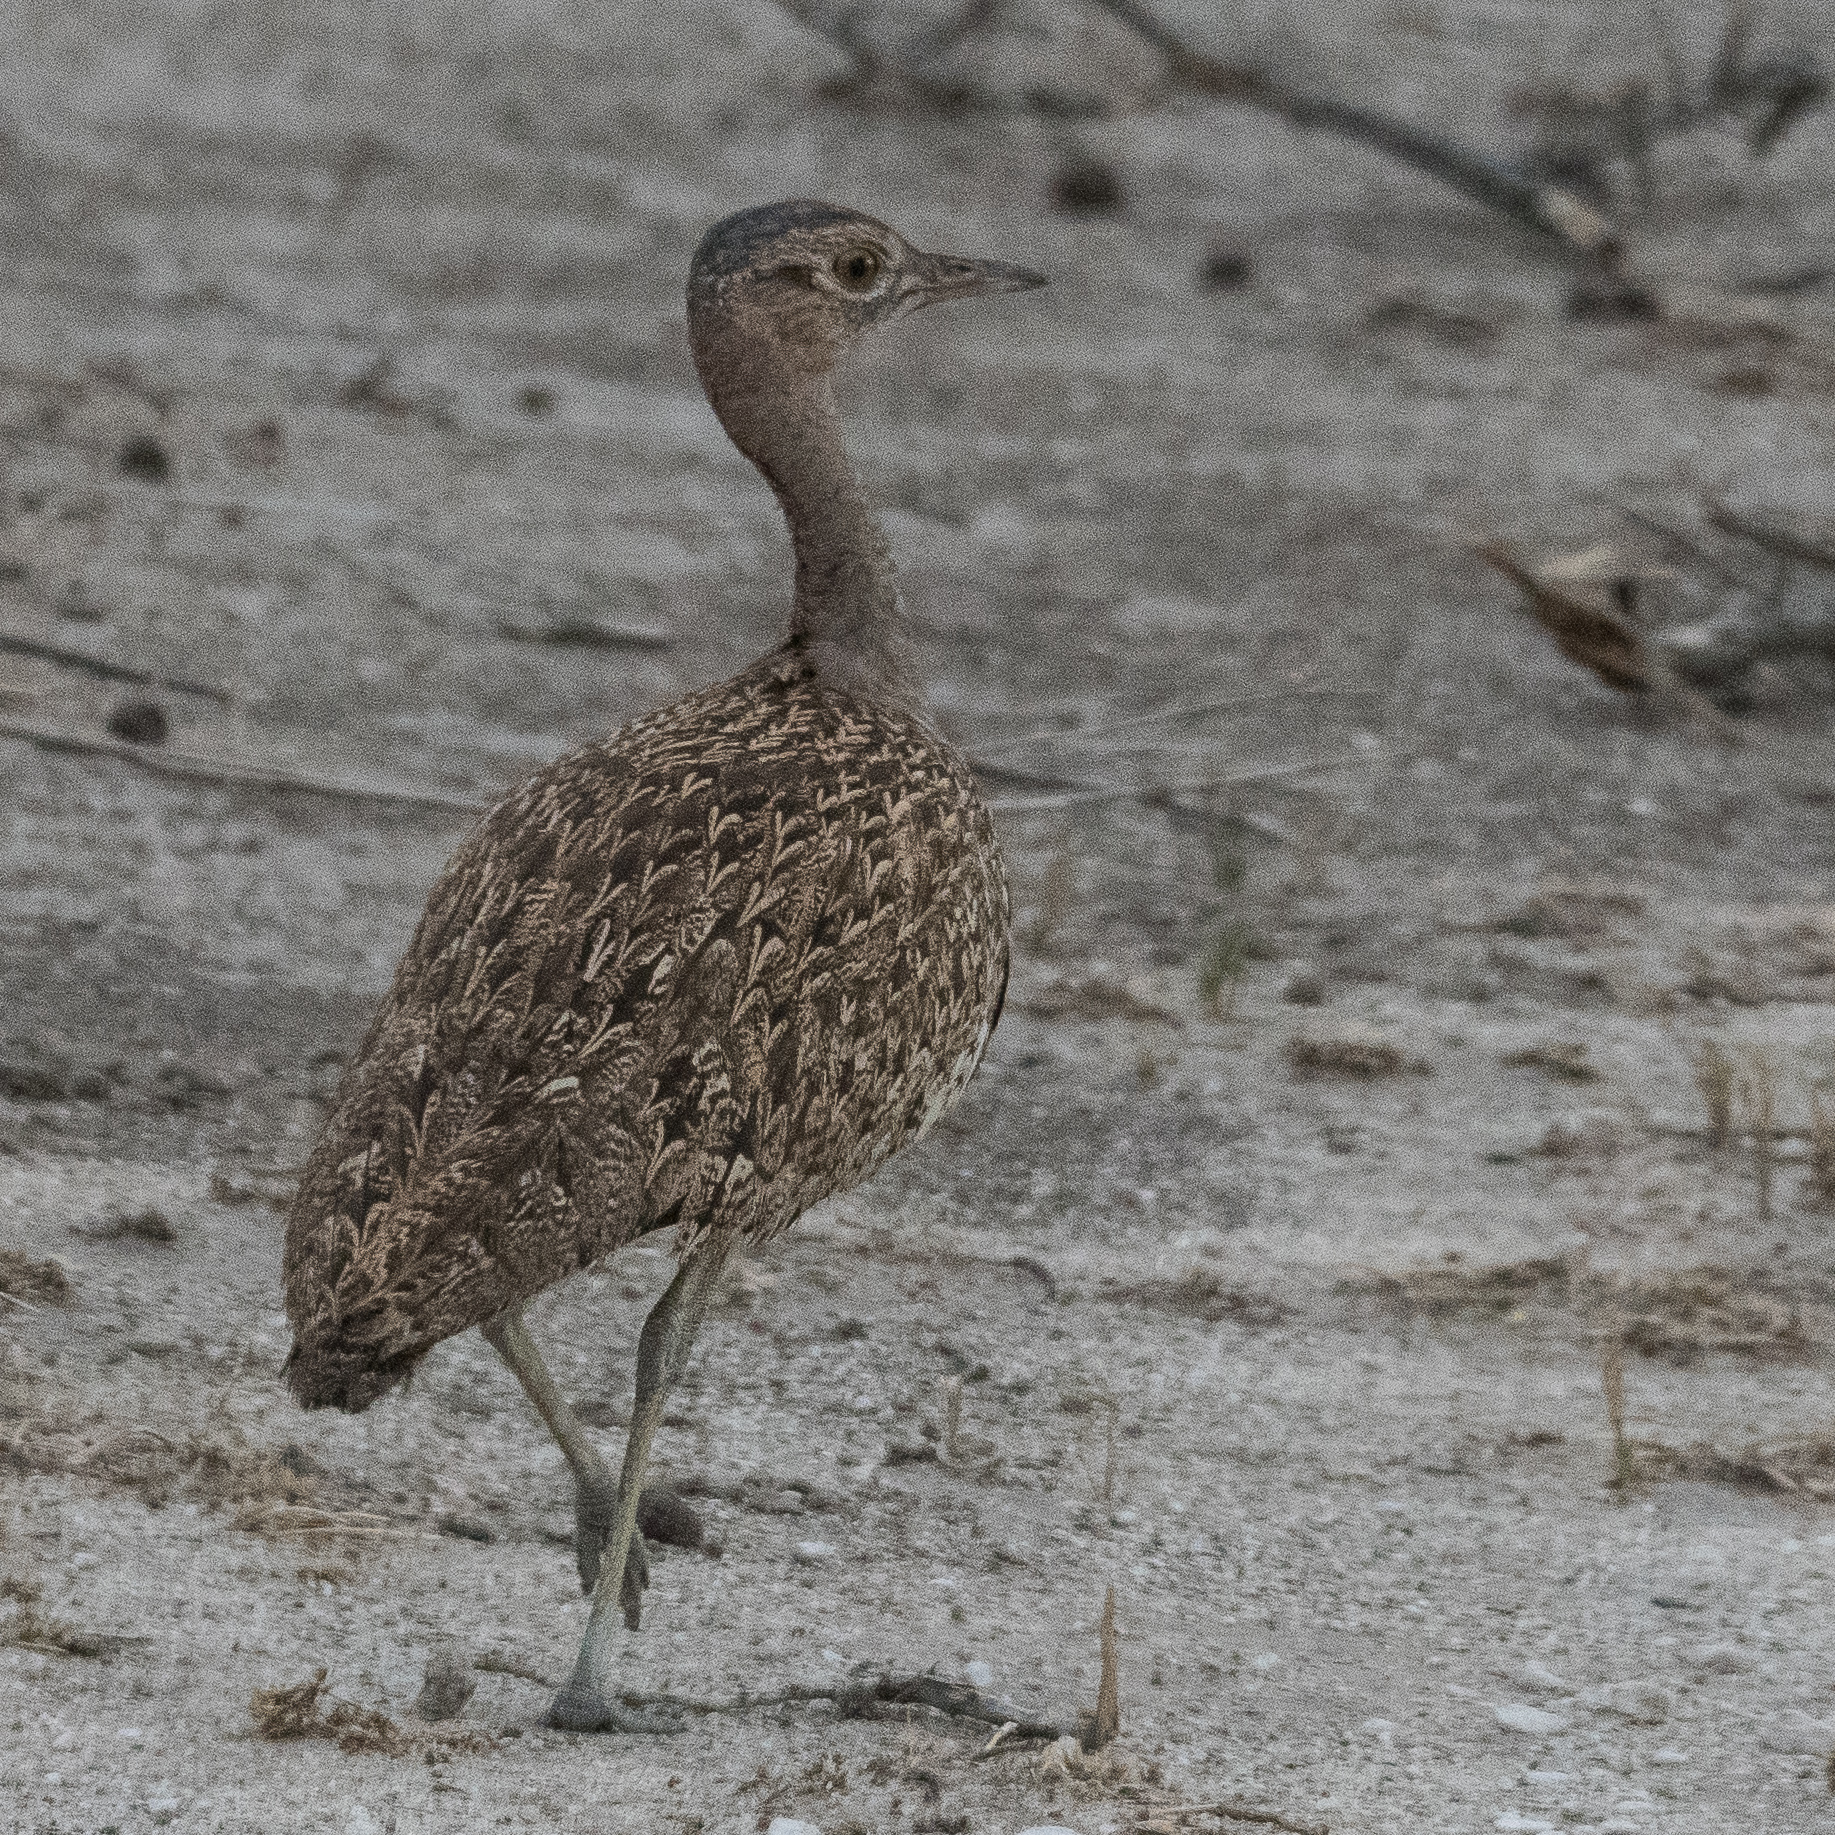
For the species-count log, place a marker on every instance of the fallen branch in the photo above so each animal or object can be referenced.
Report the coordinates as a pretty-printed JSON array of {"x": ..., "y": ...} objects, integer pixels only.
[
  {"x": 1233, "y": 1809},
  {"x": 194, "y": 768},
  {"x": 1768, "y": 533},
  {"x": 1534, "y": 202},
  {"x": 108, "y": 672},
  {"x": 859, "y": 1698},
  {"x": 1172, "y": 710},
  {"x": 1590, "y": 608},
  {"x": 1530, "y": 201},
  {"x": 1166, "y": 796}
]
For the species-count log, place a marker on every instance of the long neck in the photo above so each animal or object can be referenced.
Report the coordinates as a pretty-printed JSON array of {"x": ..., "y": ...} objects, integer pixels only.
[{"x": 847, "y": 617}]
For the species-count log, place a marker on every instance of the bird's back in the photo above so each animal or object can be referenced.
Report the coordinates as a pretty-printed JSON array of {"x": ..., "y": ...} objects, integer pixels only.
[{"x": 704, "y": 972}]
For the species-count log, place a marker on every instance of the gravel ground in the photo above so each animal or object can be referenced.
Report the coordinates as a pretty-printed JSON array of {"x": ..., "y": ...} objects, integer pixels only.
[{"x": 1339, "y": 1124}]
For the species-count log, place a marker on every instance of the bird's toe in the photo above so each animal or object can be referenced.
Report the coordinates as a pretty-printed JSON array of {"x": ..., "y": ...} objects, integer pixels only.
[{"x": 581, "y": 1708}]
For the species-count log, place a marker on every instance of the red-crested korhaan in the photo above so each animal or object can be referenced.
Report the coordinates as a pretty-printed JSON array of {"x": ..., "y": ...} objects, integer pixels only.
[{"x": 695, "y": 976}]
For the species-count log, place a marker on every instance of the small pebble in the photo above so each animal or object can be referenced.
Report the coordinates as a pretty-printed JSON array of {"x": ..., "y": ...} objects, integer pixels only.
[
  {"x": 139, "y": 722},
  {"x": 1226, "y": 267},
  {"x": 1084, "y": 186},
  {"x": 143, "y": 456},
  {"x": 1521, "y": 1718},
  {"x": 1721, "y": 1659},
  {"x": 1642, "y": 1702},
  {"x": 1539, "y": 1676},
  {"x": 979, "y": 1674},
  {"x": 814, "y": 1554},
  {"x": 1525, "y": 1825},
  {"x": 448, "y": 1684},
  {"x": 1795, "y": 1731},
  {"x": 1668, "y": 1755},
  {"x": 789, "y": 1825}
]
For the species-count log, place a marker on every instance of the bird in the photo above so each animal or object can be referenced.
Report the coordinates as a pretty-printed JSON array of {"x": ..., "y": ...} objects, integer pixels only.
[{"x": 694, "y": 976}]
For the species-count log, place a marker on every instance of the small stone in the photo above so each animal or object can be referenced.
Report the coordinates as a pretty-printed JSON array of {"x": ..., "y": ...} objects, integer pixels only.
[
  {"x": 786, "y": 1503},
  {"x": 1620, "y": 1825},
  {"x": 1641, "y": 1702},
  {"x": 1524, "y": 1825},
  {"x": 447, "y": 1685},
  {"x": 1540, "y": 1676},
  {"x": 979, "y": 1674},
  {"x": 1378, "y": 1726},
  {"x": 814, "y": 1554},
  {"x": 1795, "y": 1731},
  {"x": 1519, "y": 1717},
  {"x": 361, "y": 1822},
  {"x": 1226, "y": 267},
  {"x": 790, "y": 1825},
  {"x": 143, "y": 456},
  {"x": 1083, "y": 186},
  {"x": 139, "y": 722},
  {"x": 665, "y": 1515},
  {"x": 1668, "y": 1755},
  {"x": 1721, "y": 1659},
  {"x": 1305, "y": 988}
]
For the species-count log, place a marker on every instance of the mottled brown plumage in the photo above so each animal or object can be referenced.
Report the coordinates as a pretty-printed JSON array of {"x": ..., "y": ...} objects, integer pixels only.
[
  {"x": 705, "y": 972},
  {"x": 700, "y": 974}
]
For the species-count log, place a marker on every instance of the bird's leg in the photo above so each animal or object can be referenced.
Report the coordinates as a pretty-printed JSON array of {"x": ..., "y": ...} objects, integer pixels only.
[
  {"x": 595, "y": 1493},
  {"x": 584, "y": 1703}
]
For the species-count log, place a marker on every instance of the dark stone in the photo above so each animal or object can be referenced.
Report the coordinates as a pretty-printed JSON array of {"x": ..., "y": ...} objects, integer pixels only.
[
  {"x": 139, "y": 722},
  {"x": 1086, "y": 187},
  {"x": 143, "y": 456},
  {"x": 1226, "y": 268},
  {"x": 664, "y": 1515}
]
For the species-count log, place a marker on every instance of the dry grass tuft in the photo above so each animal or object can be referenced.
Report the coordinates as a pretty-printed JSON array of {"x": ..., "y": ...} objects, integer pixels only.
[
  {"x": 147, "y": 1224},
  {"x": 33, "y": 1283},
  {"x": 1347, "y": 1056},
  {"x": 1714, "y": 1079},
  {"x": 1455, "y": 1286},
  {"x": 1799, "y": 1464},
  {"x": 1583, "y": 1137},
  {"x": 1819, "y": 1185},
  {"x": 1758, "y": 1102},
  {"x": 1577, "y": 914},
  {"x": 1099, "y": 1728},
  {"x": 1199, "y": 1294},
  {"x": 1682, "y": 1315},
  {"x": 1612, "y": 1381},
  {"x": 293, "y": 1712},
  {"x": 296, "y": 1712},
  {"x": 218, "y": 1472},
  {"x": 1057, "y": 897},
  {"x": 25, "y": 1627},
  {"x": 1093, "y": 996},
  {"x": 1564, "y": 1058}
]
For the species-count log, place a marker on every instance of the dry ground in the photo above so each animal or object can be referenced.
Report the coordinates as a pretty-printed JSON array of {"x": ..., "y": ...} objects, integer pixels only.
[{"x": 397, "y": 292}]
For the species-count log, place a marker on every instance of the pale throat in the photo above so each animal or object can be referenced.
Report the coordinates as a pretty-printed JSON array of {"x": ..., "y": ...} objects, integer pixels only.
[{"x": 846, "y": 617}]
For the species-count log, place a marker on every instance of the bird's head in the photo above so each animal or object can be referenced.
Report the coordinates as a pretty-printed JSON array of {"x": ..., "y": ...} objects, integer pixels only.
[{"x": 809, "y": 278}]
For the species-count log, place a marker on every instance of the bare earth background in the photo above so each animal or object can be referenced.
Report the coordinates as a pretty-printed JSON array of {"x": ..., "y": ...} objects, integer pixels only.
[{"x": 397, "y": 289}]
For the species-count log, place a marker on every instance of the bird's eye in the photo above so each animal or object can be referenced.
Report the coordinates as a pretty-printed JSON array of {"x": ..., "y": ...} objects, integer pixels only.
[{"x": 857, "y": 270}]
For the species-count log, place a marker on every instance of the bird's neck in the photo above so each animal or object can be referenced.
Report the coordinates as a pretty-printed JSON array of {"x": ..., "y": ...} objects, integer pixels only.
[{"x": 847, "y": 620}]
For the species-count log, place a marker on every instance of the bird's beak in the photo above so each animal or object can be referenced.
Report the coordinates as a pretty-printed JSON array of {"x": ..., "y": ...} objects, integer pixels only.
[{"x": 935, "y": 278}]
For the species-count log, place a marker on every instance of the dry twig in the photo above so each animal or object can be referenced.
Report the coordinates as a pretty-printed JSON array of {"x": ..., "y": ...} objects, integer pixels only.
[{"x": 230, "y": 774}]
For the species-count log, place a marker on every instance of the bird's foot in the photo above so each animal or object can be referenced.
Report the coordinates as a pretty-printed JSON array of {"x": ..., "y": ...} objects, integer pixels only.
[
  {"x": 581, "y": 1708},
  {"x": 594, "y": 1512}
]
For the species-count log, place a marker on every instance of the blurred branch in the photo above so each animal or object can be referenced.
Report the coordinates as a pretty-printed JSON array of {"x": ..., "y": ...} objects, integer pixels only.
[
  {"x": 1500, "y": 187},
  {"x": 1590, "y": 605},
  {"x": 1532, "y": 201}
]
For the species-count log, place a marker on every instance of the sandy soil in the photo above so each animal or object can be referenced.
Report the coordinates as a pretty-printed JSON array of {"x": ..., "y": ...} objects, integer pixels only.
[{"x": 1304, "y": 1363}]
